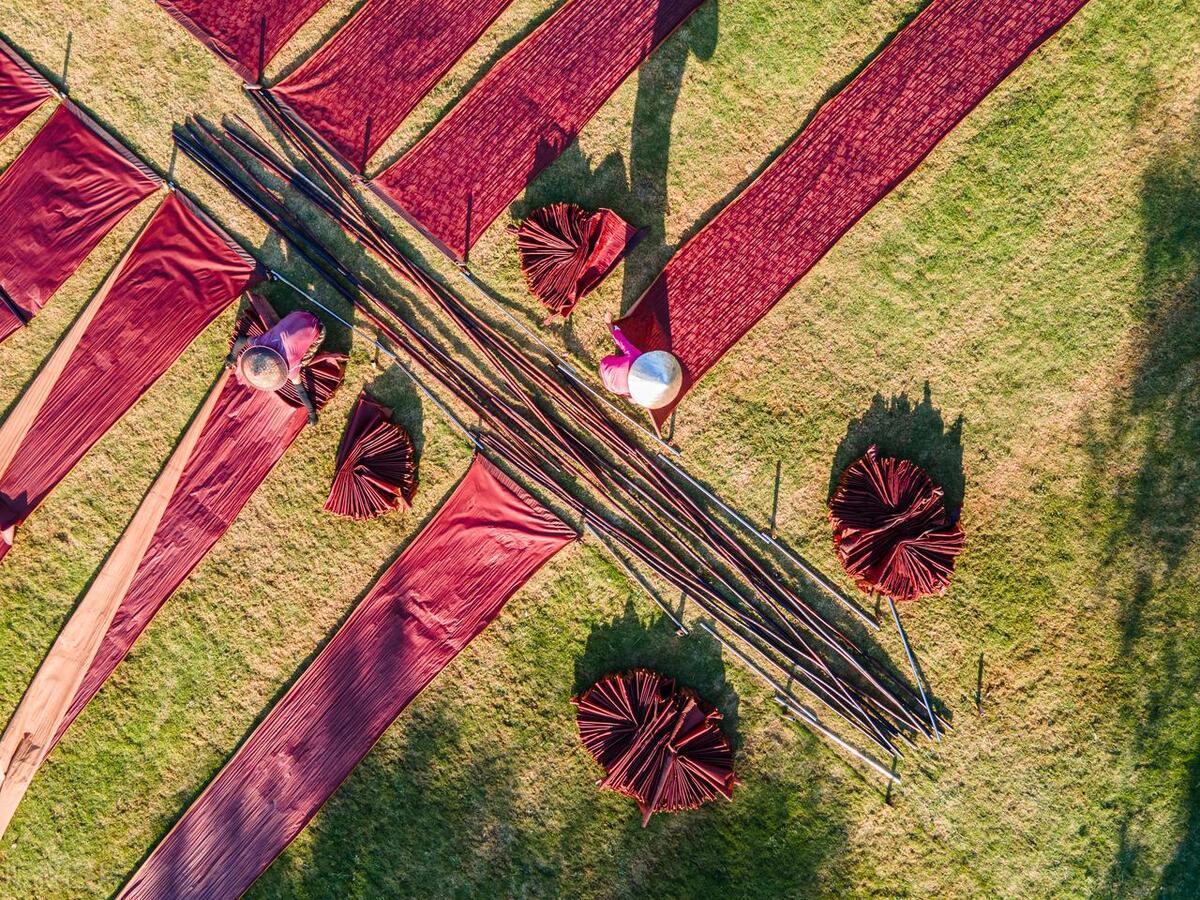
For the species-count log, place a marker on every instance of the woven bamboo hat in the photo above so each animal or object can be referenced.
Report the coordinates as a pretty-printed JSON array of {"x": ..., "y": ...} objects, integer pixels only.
[{"x": 263, "y": 368}]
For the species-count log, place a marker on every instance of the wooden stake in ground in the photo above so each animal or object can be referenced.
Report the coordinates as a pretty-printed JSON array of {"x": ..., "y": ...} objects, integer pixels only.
[{"x": 31, "y": 730}]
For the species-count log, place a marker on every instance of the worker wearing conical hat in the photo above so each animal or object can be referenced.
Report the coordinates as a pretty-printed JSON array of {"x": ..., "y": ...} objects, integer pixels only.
[
  {"x": 272, "y": 359},
  {"x": 651, "y": 380}
]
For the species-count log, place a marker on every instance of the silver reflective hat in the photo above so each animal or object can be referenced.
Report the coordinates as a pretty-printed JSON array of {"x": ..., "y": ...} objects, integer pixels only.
[
  {"x": 263, "y": 368},
  {"x": 655, "y": 379}
]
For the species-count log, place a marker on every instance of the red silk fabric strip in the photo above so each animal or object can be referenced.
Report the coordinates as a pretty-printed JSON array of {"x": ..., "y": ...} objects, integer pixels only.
[
  {"x": 246, "y": 435},
  {"x": 858, "y": 147},
  {"x": 358, "y": 88},
  {"x": 58, "y": 199},
  {"x": 178, "y": 276},
  {"x": 22, "y": 90},
  {"x": 453, "y": 579},
  {"x": 524, "y": 113},
  {"x": 246, "y": 34}
]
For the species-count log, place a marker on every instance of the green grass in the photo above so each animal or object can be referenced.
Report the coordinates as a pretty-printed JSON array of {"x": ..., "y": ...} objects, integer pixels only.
[{"x": 1023, "y": 315}]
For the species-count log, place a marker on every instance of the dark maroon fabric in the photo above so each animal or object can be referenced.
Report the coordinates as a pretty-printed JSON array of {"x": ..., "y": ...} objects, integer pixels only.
[
  {"x": 524, "y": 113},
  {"x": 376, "y": 464},
  {"x": 358, "y": 88},
  {"x": 246, "y": 435},
  {"x": 891, "y": 529},
  {"x": 567, "y": 251},
  {"x": 58, "y": 199},
  {"x": 453, "y": 579},
  {"x": 661, "y": 746},
  {"x": 860, "y": 145},
  {"x": 22, "y": 90},
  {"x": 245, "y": 33},
  {"x": 178, "y": 276}
]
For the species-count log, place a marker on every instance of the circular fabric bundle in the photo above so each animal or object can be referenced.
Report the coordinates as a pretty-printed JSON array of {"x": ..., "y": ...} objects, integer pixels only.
[
  {"x": 567, "y": 251},
  {"x": 660, "y": 746},
  {"x": 891, "y": 528},
  {"x": 376, "y": 464}
]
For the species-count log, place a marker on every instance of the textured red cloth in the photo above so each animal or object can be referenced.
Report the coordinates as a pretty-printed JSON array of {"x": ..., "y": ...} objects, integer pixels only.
[
  {"x": 246, "y": 435},
  {"x": 376, "y": 464},
  {"x": 58, "y": 199},
  {"x": 891, "y": 529},
  {"x": 522, "y": 115},
  {"x": 179, "y": 275},
  {"x": 484, "y": 543},
  {"x": 22, "y": 90},
  {"x": 567, "y": 251},
  {"x": 661, "y": 746},
  {"x": 858, "y": 147},
  {"x": 245, "y": 33},
  {"x": 357, "y": 89}
]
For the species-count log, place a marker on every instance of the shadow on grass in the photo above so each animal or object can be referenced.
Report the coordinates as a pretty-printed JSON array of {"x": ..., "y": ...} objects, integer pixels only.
[
  {"x": 912, "y": 431},
  {"x": 1146, "y": 455}
]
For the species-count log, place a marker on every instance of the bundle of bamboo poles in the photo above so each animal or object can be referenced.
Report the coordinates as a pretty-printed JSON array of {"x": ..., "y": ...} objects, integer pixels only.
[{"x": 552, "y": 432}]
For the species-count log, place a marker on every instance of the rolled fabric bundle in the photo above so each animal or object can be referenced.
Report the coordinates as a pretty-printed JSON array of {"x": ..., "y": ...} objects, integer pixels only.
[
  {"x": 659, "y": 745},
  {"x": 891, "y": 529},
  {"x": 376, "y": 464},
  {"x": 567, "y": 251}
]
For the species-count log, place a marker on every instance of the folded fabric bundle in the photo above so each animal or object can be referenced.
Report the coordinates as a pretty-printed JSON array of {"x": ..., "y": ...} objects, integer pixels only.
[
  {"x": 566, "y": 252},
  {"x": 522, "y": 115},
  {"x": 891, "y": 529},
  {"x": 58, "y": 200},
  {"x": 357, "y": 89},
  {"x": 236, "y": 438},
  {"x": 22, "y": 90},
  {"x": 486, "y": 541},
  {"x": 659, "y": 745},
  {"x": 180, "y": 273},
  {"x": 246, "y": 34},
  {"x": 859, "y": 146},
  {"x": 376, "y": 464}
]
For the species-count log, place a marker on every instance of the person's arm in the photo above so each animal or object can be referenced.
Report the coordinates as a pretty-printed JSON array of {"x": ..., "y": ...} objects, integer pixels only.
[
  {"x": 306, "y": 399},
  {"x": 625, "y": 344},
  {"x": 235, "y": 351}
]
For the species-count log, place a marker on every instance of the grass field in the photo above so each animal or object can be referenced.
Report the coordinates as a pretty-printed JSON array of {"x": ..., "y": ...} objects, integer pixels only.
[{"x": 1022, "y": 316}]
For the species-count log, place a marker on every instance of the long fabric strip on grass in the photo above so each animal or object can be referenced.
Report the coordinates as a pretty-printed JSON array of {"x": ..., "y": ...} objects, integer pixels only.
[
  {"x": 22, "y": 90},
  {"x": 453, "y": 579},
  {"x": 524, "y": 113},
  {"x": 858, "y": 147},
  {"x": 357, "y": 89},
  {"x": 229, "y": 448},
  {"x": 58, "y": 200},
  {"x": 181, "y": 272},
  {"x": 246, "y": 34}
]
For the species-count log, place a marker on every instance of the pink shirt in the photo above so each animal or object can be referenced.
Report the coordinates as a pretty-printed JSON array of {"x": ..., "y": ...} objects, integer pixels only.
[
  {"x": 291, "y": 339},
  {"x": 614, "y": 369}
]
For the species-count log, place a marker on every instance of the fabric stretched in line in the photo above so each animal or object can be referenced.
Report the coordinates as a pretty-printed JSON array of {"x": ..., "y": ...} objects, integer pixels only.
[
  {"x": 453, "y": 579},
  {"x": 22, "y": 90},
  {"x": 858, "y": 147},
  {"x": 58, "y": 199},
  {"x": 525, "y": 112},
  {"x": 180, "y": 273},
  {"x": 358, "y": 88},
  {"x": 246, "y": 34}
]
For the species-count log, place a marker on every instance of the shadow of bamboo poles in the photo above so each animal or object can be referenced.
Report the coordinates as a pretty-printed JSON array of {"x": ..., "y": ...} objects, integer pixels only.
[{"x": 647, "y": 514}]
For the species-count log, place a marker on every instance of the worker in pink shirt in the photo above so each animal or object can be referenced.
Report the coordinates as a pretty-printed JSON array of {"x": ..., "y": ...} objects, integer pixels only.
[
  {"x": 269, "y": 361},
  {"x": 650, "y": 379}
]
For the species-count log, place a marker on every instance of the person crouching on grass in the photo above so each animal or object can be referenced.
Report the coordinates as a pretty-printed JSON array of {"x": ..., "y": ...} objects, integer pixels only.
[{"x": 269, "y": 361}]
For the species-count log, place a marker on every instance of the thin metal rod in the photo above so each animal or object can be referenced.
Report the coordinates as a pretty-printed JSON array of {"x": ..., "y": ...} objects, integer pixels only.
[
  {"x": 912, "y": 661},
  {"x": 637, "y": 577}
]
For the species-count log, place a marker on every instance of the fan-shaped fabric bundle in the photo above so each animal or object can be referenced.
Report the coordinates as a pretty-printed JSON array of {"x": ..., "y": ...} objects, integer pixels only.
[
  {"x": 376, "y": 464},
  {"x": 891, "y": 528},
  {"x": 660, "y": 746},
  {"x": 567, "y": 251}
]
